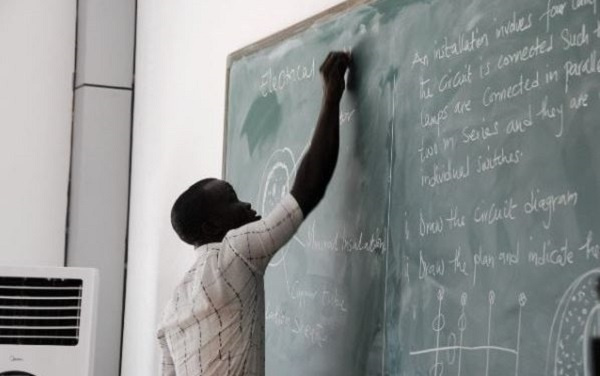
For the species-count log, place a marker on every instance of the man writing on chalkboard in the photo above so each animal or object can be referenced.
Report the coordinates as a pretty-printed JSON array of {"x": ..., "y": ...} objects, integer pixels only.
[{"x": 214, "y": 323}]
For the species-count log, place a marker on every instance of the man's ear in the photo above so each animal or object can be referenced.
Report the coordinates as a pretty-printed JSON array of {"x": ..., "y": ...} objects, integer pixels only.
[{"x": 210, "y": 229}]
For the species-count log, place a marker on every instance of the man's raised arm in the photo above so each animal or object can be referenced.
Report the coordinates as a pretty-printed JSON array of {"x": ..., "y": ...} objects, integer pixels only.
[{"x": 318, "y": 164}]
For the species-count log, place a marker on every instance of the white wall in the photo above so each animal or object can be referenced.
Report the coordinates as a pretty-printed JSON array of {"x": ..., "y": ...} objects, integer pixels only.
[
  {"x": 37, "y": 47},
  {"x": 182, "y": 48}
]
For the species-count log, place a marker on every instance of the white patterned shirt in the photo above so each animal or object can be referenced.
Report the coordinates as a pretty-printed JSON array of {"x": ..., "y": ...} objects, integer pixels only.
[{"x": 214, "y": 323}]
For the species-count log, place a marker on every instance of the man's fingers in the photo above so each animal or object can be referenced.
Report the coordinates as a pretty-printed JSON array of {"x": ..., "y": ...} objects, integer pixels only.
[
  {"x": 343, "y": 63},
  {"x": 326, "y": 63},
  {"x": 335, "y": 61},
  {"x": 346, "y": 58}
]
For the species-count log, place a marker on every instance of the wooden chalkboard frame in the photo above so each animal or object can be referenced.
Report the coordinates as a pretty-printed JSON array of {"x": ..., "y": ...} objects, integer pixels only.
[{"x": 270, "y": 41}]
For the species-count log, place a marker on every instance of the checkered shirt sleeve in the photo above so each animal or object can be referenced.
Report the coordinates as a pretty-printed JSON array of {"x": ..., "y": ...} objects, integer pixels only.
[
  {"x": 257, "y": 242},
  {"x": 168, "y": 366}
]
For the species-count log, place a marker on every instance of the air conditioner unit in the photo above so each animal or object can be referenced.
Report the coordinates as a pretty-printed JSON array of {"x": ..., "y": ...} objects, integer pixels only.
[{"x": 47, "y": 321}]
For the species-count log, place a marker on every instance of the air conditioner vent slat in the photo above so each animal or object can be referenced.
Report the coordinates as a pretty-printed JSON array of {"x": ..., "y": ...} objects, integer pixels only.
[
  {"x": 5, "y": 292},
  {"x": 34, "y": 312},
  {"x": 13, "y": 332},
  {"x": 40, "y": 311},
  {"x": 8, "y": 302},
  {"x": 39, "y": 322},
  {"x": 39, "y": 282},
  {"x": 39, "y": 341}
]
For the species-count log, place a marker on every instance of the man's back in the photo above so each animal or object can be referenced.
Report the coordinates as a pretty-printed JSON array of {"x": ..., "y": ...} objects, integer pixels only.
[{"x": 214, "y": 323}]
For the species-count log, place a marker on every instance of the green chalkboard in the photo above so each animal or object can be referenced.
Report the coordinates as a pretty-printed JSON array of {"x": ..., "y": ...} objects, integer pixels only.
[{"x": 460, "y": 234}]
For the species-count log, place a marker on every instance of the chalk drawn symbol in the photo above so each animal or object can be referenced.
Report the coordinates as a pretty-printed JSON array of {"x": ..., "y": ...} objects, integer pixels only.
[
  {"x": 451, "y": 354},
  {"x": 452, "y": 348},
  {"x": 522, "y": 299},
  {"x": 462, "y": 326},
  {"x": 572, "y": 326},
  {"x": 277, "y": 176},
  {"x": 492, "y": 300},
  {"x": 438, "y": 324},
  {"x": 436, "y": 369},
  {"x": 462, "y": 322}
]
